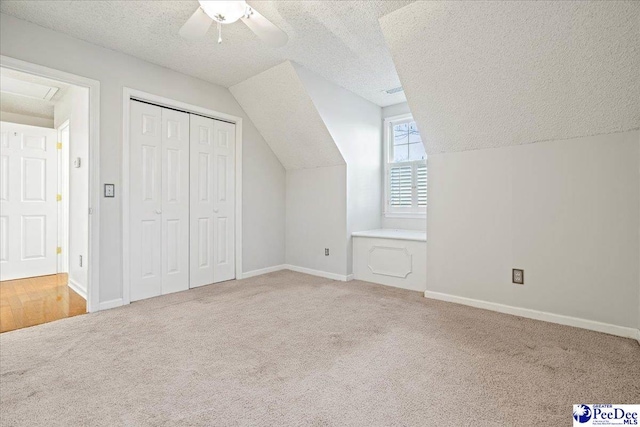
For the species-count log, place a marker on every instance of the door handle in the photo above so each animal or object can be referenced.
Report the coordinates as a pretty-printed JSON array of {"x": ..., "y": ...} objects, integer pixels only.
[{"x": 158, "y": 211}]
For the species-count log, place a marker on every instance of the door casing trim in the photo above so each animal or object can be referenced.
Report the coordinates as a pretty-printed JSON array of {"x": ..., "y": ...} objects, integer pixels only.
[{"x": 93, "y": 256}]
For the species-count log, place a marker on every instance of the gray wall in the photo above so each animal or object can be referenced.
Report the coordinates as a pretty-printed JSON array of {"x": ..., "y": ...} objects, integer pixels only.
[
  {"x": 317, "y": 218},
  {"x": 74, "y": 106},
  {"x": 355, "y": 125},
  {"x": 567, "y": 212},
  {"x": 263, "y": 175}
]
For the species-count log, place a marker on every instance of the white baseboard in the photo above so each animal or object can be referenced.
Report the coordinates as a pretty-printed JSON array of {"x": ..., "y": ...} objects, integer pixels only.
[
  {"x": 607, "y": 328},
  {"x": 77, "y": 288},
  {"x": 319, "y": 273},
  {"x": 262, "y": 271},
  {"x": 325, "y": 274},
  {"x": 106, "y": 305}
]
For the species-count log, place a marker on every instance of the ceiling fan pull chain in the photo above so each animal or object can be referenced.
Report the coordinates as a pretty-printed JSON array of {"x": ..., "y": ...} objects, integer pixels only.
[{"x": 219, "y": 33}]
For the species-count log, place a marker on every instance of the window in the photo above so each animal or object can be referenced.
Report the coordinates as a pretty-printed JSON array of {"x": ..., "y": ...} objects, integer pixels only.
[{"x": 405, "y": 169}]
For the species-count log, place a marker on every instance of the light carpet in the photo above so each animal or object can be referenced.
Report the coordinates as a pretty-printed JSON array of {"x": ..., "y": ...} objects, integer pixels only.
[{"x": 291, "y": 349}]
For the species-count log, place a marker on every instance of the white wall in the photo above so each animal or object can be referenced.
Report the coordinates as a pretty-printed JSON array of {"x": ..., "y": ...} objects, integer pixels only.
[
  {"x": 400, "y": 223},
  {"x": 263, "y": 175},
  {"x": 567, "y": 212},
  {"x": 396, "y": 110},
  {"x": 74, "y": 106},
  {"x": 22, "y": 119},
  {"x": 316, "y": 218},
  {"x": 355, "y": 125}
]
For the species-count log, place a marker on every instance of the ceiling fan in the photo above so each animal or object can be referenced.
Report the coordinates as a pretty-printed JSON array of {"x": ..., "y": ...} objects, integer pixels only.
[{"x": 227, "y": 12}]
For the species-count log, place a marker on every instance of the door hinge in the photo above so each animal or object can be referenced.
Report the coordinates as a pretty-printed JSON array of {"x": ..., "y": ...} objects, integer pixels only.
[
  {"x": 59, "y": 145},
  {"x": 58, "y": 250},
  {"x": 90, "y": 211},
  {"x": 59, "y": 197}
]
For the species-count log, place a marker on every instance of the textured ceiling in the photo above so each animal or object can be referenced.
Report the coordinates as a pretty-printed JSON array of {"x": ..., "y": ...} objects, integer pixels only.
[
  {"x": 280, "y": 107},
  {"x": 17, "y": 104},
  {"x": 339, "y": 40},
  {"x": 490, "y": 74}
]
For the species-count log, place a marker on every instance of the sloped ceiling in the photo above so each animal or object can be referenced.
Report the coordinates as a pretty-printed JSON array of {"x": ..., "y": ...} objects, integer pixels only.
[
  {"x": 490, "y": 74},
  {"x": 340, "y": 40},
  {"x": 278, "y": 104}
]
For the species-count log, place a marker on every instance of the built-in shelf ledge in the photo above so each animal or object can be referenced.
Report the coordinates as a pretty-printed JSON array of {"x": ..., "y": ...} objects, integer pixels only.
[{"x": 395, "y": 234}]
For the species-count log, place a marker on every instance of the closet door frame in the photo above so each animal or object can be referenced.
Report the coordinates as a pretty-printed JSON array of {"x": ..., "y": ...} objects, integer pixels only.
[{"x": 127, "y": 95}]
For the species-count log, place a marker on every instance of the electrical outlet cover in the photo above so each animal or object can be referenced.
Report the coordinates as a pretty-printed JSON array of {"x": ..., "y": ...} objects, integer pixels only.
[
  {"x": 517, "y": 276},
  {"x": 109, "y": 190}
]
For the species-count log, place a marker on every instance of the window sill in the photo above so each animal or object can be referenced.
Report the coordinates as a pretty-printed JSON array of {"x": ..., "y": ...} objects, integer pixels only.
[
  {"x": 393, "y": 234},
  {"x": 405, "y": 215}
]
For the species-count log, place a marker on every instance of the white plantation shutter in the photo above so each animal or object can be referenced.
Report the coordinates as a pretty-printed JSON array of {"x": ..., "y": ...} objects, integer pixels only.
[
  {"x": 401, "y": 186},
  {"x": 421, "y": 184},
  {"x": 405, "y": 169},
  {"x": 407, "y": 187}
]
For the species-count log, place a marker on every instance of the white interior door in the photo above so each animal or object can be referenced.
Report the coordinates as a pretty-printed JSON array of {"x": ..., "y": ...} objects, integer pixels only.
[
  {"x": 28, "y": 205},
  {"x": 175, "y": 201},
  {"x": 202, "y": 220},
  {"x": 224, "y": 201},
  {"x": 145, "y": 202},
  {"x": 159, "y": 201}
]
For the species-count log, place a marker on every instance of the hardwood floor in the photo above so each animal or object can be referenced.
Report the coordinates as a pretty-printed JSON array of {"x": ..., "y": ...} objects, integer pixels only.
[{"x": 36, "y": 300}]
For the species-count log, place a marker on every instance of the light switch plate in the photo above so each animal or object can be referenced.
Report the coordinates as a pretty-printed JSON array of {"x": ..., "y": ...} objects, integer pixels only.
[
  {"x": 109, "y": 190},
  {"x": 517, "y": 276}
]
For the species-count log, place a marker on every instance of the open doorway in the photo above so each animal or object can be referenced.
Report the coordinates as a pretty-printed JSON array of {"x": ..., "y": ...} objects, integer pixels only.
[{"x": 44, "y": 199}]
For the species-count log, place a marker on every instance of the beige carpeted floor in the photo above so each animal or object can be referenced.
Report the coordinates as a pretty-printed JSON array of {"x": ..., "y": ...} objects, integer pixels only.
[{"x": 291, "y": 349}]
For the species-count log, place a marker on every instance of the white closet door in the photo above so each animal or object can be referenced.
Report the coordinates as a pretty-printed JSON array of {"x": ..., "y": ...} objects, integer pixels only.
[
  {"x": 175, "y": 201},
  {"x": 202, "y": 220},
  {"x": 145, "y": 200},
  {"x": 28, "y": 205},
  {"x": 224, "y": 201}
]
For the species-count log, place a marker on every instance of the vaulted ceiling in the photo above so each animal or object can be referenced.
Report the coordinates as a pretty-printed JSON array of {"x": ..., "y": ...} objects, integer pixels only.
[
  {"x": 280, "y": 106},
  {"x": 490, "y": 74},
  {"x": 339, "y": 40}
]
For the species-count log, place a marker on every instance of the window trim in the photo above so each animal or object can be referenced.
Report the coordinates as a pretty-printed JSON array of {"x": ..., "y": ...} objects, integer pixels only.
[{"x": 386, "y": 209}]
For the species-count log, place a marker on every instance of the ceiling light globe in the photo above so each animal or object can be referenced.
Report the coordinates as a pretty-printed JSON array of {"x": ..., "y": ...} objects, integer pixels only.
[{"x": 224, "y": 11}]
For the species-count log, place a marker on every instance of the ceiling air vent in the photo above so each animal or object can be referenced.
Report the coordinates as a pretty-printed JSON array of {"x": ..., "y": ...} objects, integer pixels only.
[
  {"x": 394, "y": 90},
  {"x": 28, "y": 89}
]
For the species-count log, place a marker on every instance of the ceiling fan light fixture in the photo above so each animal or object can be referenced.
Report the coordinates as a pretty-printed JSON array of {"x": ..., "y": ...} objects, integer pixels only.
[{"x": 224, "y": 11}]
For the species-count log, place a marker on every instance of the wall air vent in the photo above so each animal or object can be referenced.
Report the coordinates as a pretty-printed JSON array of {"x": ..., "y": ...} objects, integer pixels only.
[
  {"x": 28, "y": 89},
  {"x": 394, "y": 90}
]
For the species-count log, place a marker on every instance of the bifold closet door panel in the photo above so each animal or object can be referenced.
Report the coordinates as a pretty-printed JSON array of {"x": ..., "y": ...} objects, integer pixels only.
[
  {"x": 175, "y": 201},
  {"x": 145, "y": 201},
  {"x": 224, "y": 201},
  {"x": 202, "y": 221}
]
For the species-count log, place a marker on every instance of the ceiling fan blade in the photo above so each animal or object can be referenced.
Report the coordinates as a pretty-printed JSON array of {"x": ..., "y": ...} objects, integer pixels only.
[
  {"x": 196, "y": 26},
  {"x": 265, "y": 30}
]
